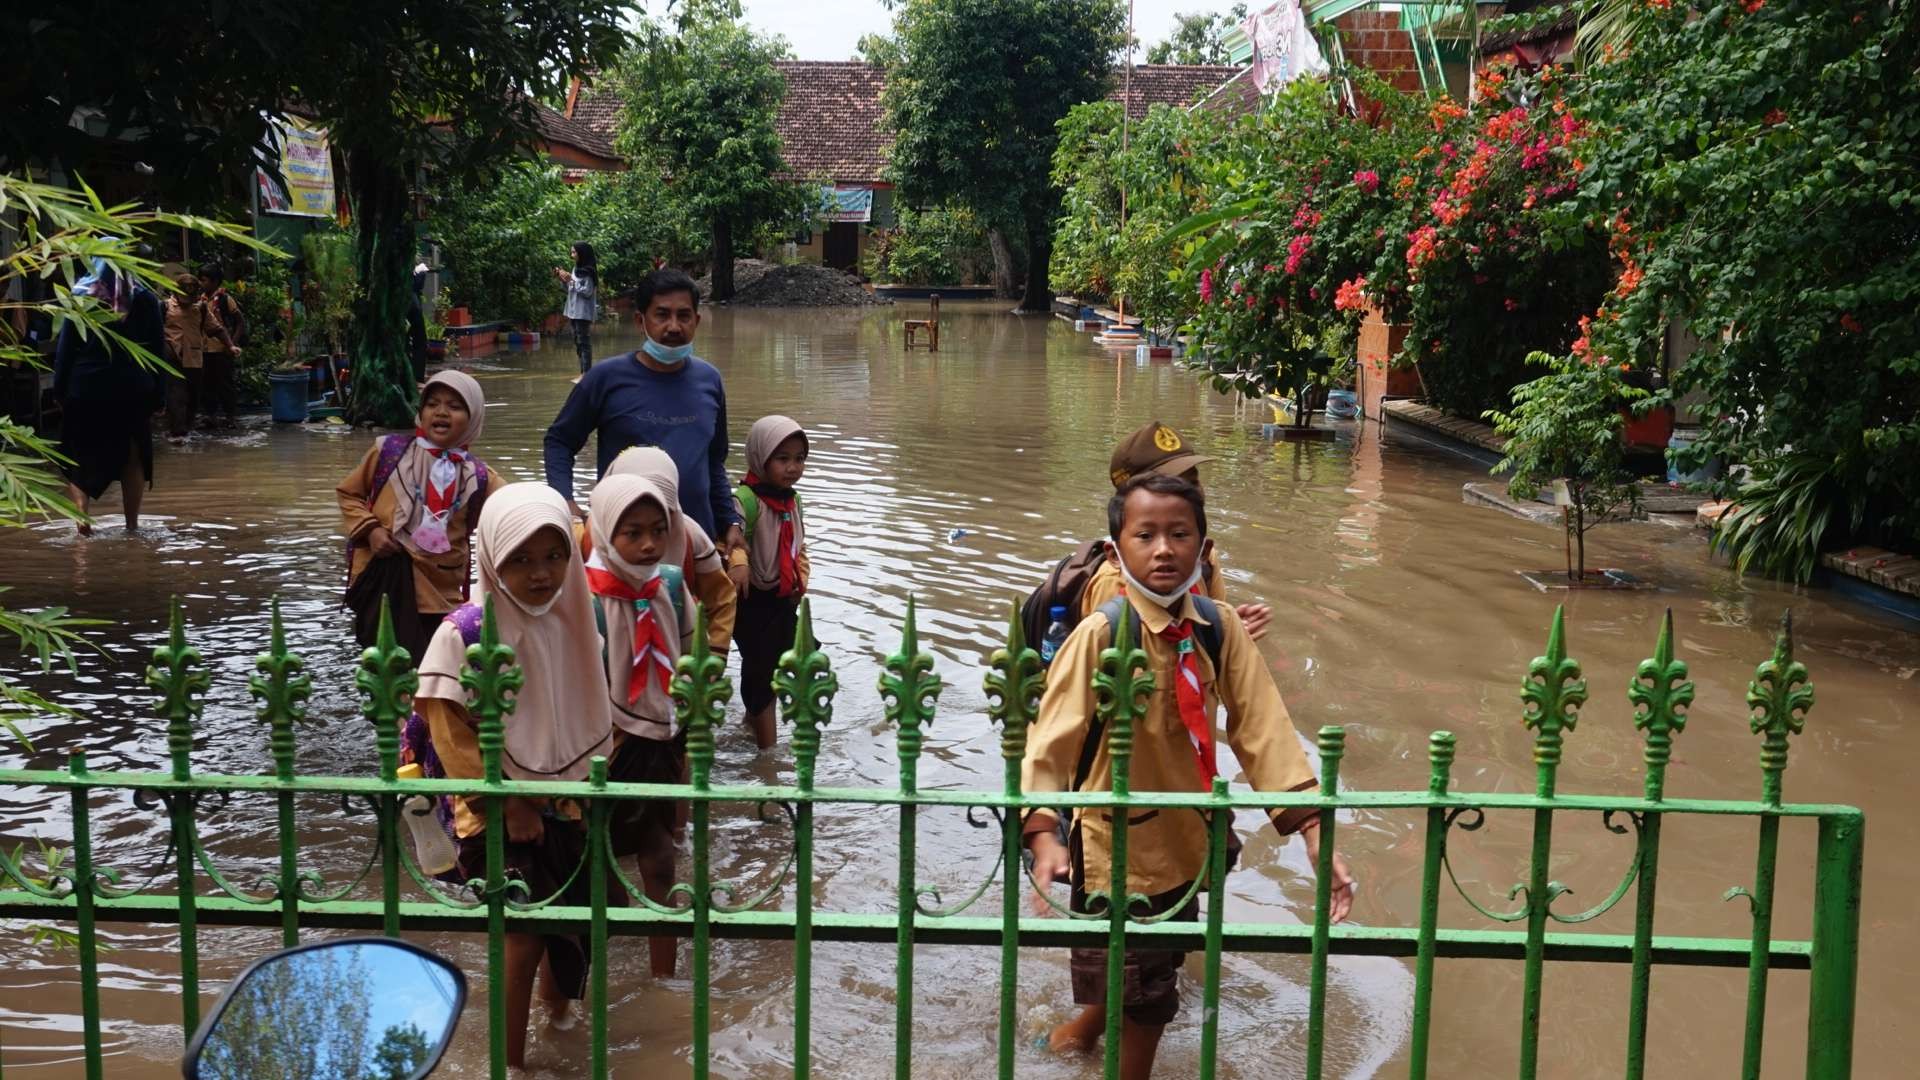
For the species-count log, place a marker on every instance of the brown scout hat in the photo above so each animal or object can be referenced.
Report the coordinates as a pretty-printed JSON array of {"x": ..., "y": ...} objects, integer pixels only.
[{"x": 1153, "y": 448}]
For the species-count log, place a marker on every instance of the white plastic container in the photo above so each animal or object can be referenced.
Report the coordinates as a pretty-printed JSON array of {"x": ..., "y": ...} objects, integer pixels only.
[{"x": 431, "y": 844}]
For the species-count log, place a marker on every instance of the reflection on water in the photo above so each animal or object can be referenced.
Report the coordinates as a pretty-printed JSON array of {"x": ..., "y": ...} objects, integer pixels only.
[{"x": 1398, "y": 613}]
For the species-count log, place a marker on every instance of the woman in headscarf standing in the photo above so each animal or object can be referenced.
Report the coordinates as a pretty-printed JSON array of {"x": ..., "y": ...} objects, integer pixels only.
[
  {"x": 530, "y": 568},
  {"x": 107, "y": 398}
]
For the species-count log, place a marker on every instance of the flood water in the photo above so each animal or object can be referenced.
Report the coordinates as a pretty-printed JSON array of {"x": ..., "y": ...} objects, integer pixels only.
[{"x": 1398, "y": 611}]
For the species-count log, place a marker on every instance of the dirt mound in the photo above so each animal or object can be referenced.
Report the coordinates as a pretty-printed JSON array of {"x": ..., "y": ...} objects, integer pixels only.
[
  {"x": 745, "y": 273},
  {"x": 759, "y": 284}
]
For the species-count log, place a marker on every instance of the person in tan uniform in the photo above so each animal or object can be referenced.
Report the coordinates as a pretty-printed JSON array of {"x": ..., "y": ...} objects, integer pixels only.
[
  {"x": 1158, "y": 528},
  {"x": 416, "y": 497},
  {"x": 1157, "y": 448},
  {"x": 188, "y": 327}
]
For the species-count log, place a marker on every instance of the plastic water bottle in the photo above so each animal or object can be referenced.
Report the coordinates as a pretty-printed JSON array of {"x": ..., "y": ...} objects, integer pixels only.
[
  {"x": 1056, "y": 634},
  {"x": 431, "y": 844}
]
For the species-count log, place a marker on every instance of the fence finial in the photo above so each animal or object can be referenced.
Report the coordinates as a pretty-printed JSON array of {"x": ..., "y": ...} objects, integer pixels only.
[
  {"x": 280, "y": 688},
  {"x": 1439, "y": 762},
  {"x": 1551, "y": 695},
  {"x": 1121, "y": 687},
  {"x": 1780, "y": 698},
  {"x": 701, "y": 691},
  {"x": 910, "y": 690},
  {"x": 387, "y": 680},
  {"x": 1660, "y": 693},
  {"x": 491, "y": 677},
  {"x": 1014, "y": 682},
  {"x": 180, "y": 676},
  {"x": 805, "y": 684}
]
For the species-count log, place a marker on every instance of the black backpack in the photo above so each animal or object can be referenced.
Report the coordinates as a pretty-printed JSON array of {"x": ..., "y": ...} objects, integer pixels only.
[{"x": 1116, "y": 609}]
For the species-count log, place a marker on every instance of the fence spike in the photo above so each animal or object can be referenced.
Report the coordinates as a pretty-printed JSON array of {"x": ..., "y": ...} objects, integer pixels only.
[
  {"x": 491, "y": 676},
  {"x": 1551, "y": 697},
  {"x": 179, "y": 675},
  {"x": 910, "y": 690},
  {"x": 281, "y": 687},
  {"x": 1014, "y": 682},
  {"x": 1121, "y": 687},
  {"x": 1439, "y": 762},
  {"x": 701, "y": 691},
  {"x": 1660, "y": 694},
  {"x": 1780, "y": 698},
  {"x": 387, "y": 681},
  {"x": 805, "y": 684}
]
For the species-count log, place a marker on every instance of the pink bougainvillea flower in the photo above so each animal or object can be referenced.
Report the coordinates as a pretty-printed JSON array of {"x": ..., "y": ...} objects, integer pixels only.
[
  {"x": 1297, "y": 251},
  {"x": 1753, "y": 6},
  {"x": 1351, "y": 295},
  {"x": 1206, "y": 286},
  {"x": 1512, "y": 304},
  {"x": 1367, "y": 181},
  {"x": 1774, "y": 116},
  {"x": 1850, "y": 324}
]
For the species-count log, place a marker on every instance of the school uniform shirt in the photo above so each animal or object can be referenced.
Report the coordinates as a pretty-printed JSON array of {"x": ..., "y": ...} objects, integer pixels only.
[
  {"x": 186, "y": 332},
  {"x": 1166, "y": 848},
  {"x": 220, "y": 329},
  {"x": 1106, "y": 582},
  {"x": 683, "y": 412},
  {"x": 763, "y": 548},
  {"x": 456, "y": 741},
  {"x": 439, "y": 581}
]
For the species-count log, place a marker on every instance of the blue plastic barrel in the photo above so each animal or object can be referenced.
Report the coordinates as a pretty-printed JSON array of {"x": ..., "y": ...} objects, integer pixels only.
[{"x": 288, "y": 395}]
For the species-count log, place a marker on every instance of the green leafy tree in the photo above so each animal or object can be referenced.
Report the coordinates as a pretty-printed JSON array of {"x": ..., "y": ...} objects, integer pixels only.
[
  {"x": 975, "y": 102},
  {"x": 402, "y": 1049},
  {"x": 700, "y": 113},
  {"x": 1758, "y": 163},
  {"x": 1567, "y": 426},
  {"x": 1198, "y": 38},
  {"x": 940, "y": 246},
  {"x": 301, "y": 1017}
]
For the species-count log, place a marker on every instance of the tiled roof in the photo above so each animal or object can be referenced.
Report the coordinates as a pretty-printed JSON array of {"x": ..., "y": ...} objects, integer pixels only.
[
  {"x": 1169, "y": 84},
  {"x": 555, "y": 126},
  {"x": 832, "y": 126}
]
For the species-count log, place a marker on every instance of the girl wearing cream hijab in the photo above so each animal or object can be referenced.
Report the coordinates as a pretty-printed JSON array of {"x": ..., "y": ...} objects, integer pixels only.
[
  {"x": 647, "y": 611},
  {"x": 771, "y": 571},
  {"x": 687, "y": 544},
  {"x": 530, "y": 569}
]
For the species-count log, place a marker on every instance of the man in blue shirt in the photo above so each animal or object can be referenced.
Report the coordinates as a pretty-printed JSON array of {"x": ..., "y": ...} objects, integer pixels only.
[{"x": 659, "y": 395}]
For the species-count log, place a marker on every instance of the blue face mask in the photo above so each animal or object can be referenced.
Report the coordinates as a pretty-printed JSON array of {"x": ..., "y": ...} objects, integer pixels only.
[{"x": 668, "y": 355}]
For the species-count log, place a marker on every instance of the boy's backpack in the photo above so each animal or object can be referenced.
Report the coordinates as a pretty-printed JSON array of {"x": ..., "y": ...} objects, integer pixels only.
[
  {"x": 1063, "y": 588},
  {"x": 392, "y": 447},
  {"x": 750, "y": 507}
]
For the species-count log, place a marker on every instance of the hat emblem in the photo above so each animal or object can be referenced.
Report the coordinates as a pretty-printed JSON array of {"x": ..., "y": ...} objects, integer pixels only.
[{"x": 1166, "y": 438}]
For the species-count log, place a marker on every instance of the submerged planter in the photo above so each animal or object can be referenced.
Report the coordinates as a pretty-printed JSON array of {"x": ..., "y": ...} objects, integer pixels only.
[
  {"x": 1552, "y": 580},
  {"x": 1377, "y": 379}
]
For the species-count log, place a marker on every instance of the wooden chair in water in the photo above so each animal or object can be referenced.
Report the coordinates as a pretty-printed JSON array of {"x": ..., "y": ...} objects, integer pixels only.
[{"x": 931, "y": 324}]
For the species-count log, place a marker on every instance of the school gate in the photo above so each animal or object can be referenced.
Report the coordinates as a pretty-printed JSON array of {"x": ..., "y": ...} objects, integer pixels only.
[{"x": 85, "y": 894}]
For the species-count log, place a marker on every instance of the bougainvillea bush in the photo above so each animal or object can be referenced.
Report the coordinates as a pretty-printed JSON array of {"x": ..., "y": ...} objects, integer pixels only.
[
  {"x": 1495, "y": 268},
  {"x": 1760, "y": 163}
]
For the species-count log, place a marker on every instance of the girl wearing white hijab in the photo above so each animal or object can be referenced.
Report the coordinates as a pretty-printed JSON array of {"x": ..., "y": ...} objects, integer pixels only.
[
  {"x": 771, "y": 571},
  {"x": 688, "y": 545},
  {"x": 647, "y": 614},
  {"x": 531, "y": 570},
  {"x": 415, "y": 498}
]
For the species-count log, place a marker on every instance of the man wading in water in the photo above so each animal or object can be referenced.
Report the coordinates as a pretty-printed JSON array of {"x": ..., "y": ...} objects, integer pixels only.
[{"x": 658, "y": 395}]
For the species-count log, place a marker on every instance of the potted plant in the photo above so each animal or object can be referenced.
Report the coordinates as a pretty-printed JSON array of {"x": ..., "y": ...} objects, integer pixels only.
[{"x": 1565, "y": 435}]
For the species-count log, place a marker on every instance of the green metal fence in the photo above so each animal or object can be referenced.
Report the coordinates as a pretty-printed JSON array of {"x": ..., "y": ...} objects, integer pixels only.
[{"x": 86, "y": 893}]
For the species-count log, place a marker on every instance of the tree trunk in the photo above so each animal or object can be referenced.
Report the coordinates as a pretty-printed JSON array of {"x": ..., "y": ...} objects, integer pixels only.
[
  {"x": 1002, "y": 264},
  {"x": 383, "y": 388},
  {"x": 722, "y": 258},
  {"x": 1038, "y": 299}
]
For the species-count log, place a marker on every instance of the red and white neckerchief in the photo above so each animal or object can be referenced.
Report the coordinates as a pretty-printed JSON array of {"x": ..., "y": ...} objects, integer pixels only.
[
  {"x": 1190, "y": 694},
  {"x": 789, "y": 538},
  {"x": 439, "y": 495},
  {"x": 651, "y": 655}
]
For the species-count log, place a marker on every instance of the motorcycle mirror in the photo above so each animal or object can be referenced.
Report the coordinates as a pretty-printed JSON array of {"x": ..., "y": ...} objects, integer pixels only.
[{"x": 356, "y": 1009}]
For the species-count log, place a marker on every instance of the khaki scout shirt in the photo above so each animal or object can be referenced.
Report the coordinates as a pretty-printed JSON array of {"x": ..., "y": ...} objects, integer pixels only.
[
  {"x": 439, "y": 581},
  {"x": 1166, "y": 848}
]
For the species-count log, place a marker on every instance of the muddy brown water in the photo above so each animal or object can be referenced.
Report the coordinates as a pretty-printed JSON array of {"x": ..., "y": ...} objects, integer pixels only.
[{"x": 1398, "y": 612}]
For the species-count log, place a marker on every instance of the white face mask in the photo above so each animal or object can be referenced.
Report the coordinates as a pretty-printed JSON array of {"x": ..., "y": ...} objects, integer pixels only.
[
  {"x": 1165, "y": 600},
  {"x": 536, "y": 612}
]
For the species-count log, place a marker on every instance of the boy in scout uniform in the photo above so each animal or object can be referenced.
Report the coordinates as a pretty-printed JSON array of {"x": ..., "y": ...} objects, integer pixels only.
[
  {"x": 1201, "y": 656},
  {"x": 1157, "y": 448}
]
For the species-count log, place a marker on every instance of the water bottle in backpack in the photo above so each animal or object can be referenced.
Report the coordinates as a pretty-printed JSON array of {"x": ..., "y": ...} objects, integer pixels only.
[{"x": 1057, "y": 631}]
